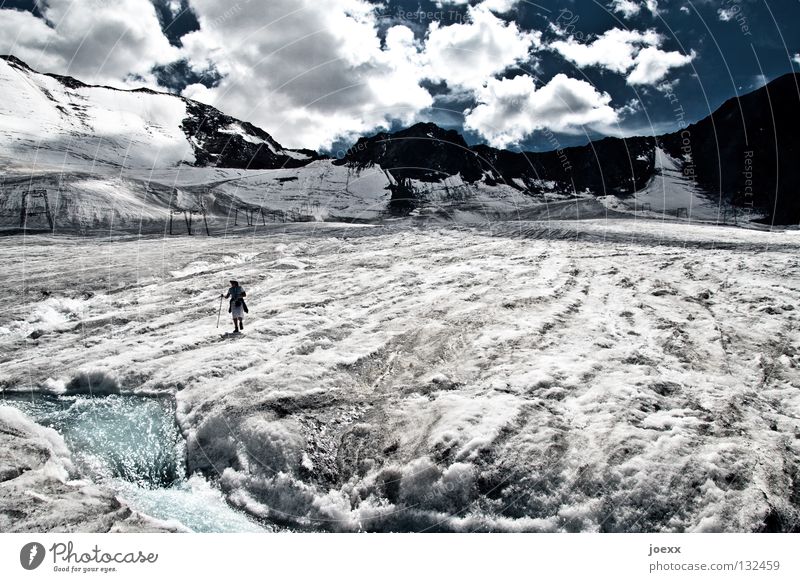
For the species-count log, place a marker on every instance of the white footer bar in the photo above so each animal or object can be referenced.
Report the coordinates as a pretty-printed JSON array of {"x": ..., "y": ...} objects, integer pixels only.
[{"x": 387, "y": 557}]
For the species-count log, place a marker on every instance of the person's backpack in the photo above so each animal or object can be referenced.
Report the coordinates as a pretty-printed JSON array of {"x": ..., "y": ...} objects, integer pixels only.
[{"x": 237, "y": 293}]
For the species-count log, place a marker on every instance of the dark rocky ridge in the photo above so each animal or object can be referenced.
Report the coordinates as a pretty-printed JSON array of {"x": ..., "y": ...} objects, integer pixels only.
[
  {"x": 423, "y": 151},
  {"x": 765, "y": 122},
  {"x": 744, "y": 153},
  {"x": 204, "y": 127},
  {"x": 757, "y": 133}
]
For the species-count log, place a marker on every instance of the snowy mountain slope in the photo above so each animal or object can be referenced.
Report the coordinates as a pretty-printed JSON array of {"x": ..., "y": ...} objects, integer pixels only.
[
  {"x": 120, "y": 161},
  {"x": 616, "y": 173},
  {"x": 50, "y": 120},
  {"x": 113, "y": 160},
  {"x": 669, "y": 191},
  {"x": 671, "y": 194},
  {"x": 746, "y": 151},
  {"x": 140, "y": 201},
  {"x": 45, "y": 121},
  {"x": 427, "y": 152},
  {"x": 553, "y": 377},
  {"x": 718, "y": 152},
  {"x": 118, "y": 201}
]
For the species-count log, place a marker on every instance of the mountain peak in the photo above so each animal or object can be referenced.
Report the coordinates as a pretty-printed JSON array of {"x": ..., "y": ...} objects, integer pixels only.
[
  {"x": 428, "y": 129},
  {"x": 16, "y": 62},
  {"x": 56, "y": 117},
  {"x": 423, "y": 151}
]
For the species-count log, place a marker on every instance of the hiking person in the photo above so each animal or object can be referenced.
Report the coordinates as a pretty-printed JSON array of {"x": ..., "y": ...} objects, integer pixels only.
[{"x": 237, "y": 307}]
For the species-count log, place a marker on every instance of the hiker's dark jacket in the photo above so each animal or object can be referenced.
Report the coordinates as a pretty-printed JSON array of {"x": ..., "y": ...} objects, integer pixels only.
[{"x": 236, "y": 294}]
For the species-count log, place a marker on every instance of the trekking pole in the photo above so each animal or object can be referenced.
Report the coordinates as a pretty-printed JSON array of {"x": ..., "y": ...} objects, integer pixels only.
[{"x": 219, "y": 315}]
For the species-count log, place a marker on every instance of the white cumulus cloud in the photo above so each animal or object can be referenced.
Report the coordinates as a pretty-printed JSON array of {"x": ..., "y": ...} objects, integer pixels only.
[
  {"x": 624, "y": 51},
  {"x": 310, "y": 72},
  {"x": 630, "y": 8},
  {"x": 499, "y": 6},
  {"x": 653, "y": 64},
  {"x": 467, "y": 54},
  {"x": 614, "y": 50},
  {"x": 313, "y": 71},
  {"x": 307, "y": 71},
  {"x": 97, "y": 42},
  {"x": 509, "y": 110}
]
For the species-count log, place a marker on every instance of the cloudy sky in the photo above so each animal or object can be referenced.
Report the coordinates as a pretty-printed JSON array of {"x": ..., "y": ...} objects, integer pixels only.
[{"x": 511, "y": 73}]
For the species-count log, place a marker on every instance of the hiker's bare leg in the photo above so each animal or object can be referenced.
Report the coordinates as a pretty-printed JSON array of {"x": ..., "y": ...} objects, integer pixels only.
[{"x": 241, "y": 323}]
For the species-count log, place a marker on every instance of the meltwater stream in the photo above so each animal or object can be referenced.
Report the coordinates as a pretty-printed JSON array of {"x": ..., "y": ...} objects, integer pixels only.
[{"x": 132, "y": 445}]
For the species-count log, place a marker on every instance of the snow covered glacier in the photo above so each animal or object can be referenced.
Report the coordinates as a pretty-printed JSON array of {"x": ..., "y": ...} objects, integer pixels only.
[
  {"x": 484, "y": 362},
  {"x": 601, "y": 375}
]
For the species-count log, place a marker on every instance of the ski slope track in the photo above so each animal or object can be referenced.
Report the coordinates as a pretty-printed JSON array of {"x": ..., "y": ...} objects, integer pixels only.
[{"x": 571, "y": 376}]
